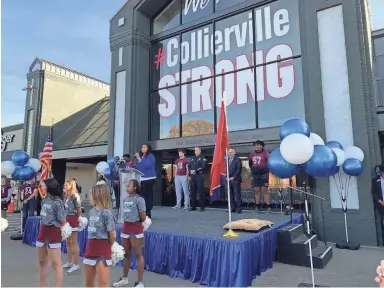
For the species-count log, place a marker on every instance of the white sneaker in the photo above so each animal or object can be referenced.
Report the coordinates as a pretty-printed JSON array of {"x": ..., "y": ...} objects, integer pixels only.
[
  {"x": 176, "y": 207},
  {"x": 139, "y": 284},
  {"x": 73, "y": 268},
  {"x": 67, "y": 265},
  {"x": 122, "y": 282}
]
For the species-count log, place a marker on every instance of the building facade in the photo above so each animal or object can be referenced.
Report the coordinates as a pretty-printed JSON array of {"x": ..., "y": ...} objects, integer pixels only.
[
  {"x": 276, "y": 60},
  {"x": 76, "y": 107},
  {"x": 11, "y": 141}
]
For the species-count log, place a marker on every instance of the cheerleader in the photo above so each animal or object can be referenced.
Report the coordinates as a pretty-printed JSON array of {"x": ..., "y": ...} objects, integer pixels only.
[
  {"x": 73, "y": 208},
  {"x": 132, "y": 235},
  {"x": 101, "y": 237},
  {"x": 6, "y": 194},
  {"x": 48, "y": 241}
]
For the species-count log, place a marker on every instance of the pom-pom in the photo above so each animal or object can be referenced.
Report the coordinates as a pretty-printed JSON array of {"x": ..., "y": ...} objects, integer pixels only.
[
  {"x": 118, "y": 253},
  {"x": 66, "y": 231},
  {"x": 83, "y": 222},
  {"x": 147, "y": 223},
  {"x": 4, "y": 224}
]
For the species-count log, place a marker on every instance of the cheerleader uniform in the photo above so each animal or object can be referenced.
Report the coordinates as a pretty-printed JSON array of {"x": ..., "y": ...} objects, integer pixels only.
[
  {"x": 132, "y": 206},
  {"x": 101, "y": 221},
  {"x": 6, "y": 194},
  {"x": 52, "y": 213},
  {"x": 71, "y": 205}
]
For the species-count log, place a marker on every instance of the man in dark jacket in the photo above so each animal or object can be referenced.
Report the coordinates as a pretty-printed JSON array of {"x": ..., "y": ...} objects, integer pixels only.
[
  {"x": 378, "y": 191},
  {"x": 234, "y": 171}
]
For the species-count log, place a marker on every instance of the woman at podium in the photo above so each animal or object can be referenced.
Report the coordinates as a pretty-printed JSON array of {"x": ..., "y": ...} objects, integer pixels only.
[{"x": 146, "y": 164}]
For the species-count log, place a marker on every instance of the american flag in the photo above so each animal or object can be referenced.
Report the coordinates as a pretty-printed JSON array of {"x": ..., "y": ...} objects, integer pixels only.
[{"x": 46, "y": 161}]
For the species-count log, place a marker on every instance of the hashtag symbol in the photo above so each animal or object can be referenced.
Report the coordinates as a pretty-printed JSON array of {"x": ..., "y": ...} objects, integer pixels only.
[{"x": 159, "y": 57}]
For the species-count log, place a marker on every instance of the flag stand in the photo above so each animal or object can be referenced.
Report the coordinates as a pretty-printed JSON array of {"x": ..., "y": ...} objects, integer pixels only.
[{"x": 230, "y": 233}]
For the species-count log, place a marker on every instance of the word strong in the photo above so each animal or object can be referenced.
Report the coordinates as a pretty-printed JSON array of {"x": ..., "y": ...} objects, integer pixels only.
[{"x": 274, "y": 72}]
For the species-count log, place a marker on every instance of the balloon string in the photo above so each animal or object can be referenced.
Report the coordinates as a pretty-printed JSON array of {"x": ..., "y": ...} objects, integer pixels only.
[
  {"x": 347, "y": 188},
  {"x": 338, "y": 190}
]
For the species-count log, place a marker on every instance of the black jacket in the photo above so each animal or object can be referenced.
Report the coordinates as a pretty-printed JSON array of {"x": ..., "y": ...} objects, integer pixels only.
[
  {"x": 235, "y": 169},
  {"x": 377, "y": 194}
]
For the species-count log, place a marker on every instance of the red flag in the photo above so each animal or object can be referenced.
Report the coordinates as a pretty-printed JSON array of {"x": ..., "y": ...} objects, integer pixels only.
[{"x": 219, "y": 165}]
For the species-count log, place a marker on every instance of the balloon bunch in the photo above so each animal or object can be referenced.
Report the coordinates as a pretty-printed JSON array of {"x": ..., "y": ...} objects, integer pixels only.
[
  {"x": 21, "y": 168},
  {"x": 105, "y": 168},
  {"x": 300, "y": 148}
]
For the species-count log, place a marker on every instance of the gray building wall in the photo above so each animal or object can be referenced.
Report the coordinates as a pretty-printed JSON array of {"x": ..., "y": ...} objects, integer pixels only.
[{"x": 133, "y": 37}]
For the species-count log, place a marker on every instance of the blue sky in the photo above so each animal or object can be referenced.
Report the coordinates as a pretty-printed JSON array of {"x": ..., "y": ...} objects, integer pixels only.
[{"x": 71, "y": 33}]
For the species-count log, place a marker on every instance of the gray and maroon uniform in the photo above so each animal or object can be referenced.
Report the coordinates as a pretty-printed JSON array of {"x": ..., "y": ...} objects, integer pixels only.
[
  {"x": 72, "y": 203},
  {"x": 52, "y": 214},
  {"x": 100, "y": 223},
  {"x": 258, "y": 162},
  {"x": 6, "y": 194},
  {"x": 132, "y": 207}
]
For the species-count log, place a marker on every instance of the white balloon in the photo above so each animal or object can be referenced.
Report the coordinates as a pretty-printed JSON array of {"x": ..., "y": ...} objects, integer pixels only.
[
  {"x": 316, "y": 139},
  {"x": 354, "y": 152},
  {"x": 34, "y": 163},
  {"x": 7, "y": 168},
  {"x": 340, "y": 154},
  {"x": 101, "y": 166},
  {"x": 296, "y": 148}
]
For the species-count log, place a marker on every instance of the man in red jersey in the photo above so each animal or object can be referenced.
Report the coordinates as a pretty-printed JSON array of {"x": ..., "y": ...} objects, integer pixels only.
[
  {"x": 258, "y": 162},
  {"x": 181, "y": 181},
  {"x": 28, "y": 192},
  {"x": 6, "y": 194}
]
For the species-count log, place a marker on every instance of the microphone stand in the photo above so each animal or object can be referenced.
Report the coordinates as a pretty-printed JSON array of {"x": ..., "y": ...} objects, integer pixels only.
[{"x": 308, "y": 227}]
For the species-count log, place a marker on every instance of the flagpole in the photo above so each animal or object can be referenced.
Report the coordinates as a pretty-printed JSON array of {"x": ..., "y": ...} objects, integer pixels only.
[
  {"x": 50, "y": 161},
  {"x": 230, "y": 233}
]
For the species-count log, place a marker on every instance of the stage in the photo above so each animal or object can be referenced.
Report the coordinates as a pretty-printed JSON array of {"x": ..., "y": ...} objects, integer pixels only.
[{"x": 190, "y": 245}]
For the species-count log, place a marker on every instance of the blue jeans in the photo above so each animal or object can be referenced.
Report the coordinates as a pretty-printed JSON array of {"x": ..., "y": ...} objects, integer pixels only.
[{"x": 28, "y": 210}]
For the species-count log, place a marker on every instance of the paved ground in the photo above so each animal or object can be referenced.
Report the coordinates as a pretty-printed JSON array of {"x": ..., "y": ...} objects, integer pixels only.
[{"x": 346, "y": 269}]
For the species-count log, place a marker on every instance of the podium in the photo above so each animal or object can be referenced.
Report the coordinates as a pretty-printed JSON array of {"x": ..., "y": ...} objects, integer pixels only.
[{"x": 125, "y": 175}]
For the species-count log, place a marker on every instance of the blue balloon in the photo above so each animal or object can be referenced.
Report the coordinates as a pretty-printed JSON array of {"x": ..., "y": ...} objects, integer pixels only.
[
  {"x": 294, "y": 126},
  {"x": 111, "y": 161},
  {"x": 323, "y": 162},
  {"x": 20, "y": 158},
  {"x": 334, "y": 144},
  {"x": 337, "y": 169},
  {"x": 14, "y": 175},
  {"x": 25, "y": 173},
  {"x": 108, "y": 174},
  {"x": 353, "y": 167},
  {"x": 279, "y": 167}
]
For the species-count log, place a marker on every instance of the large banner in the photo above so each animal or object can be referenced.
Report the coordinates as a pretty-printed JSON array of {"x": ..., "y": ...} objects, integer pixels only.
[{"x": 191, "y": 71}]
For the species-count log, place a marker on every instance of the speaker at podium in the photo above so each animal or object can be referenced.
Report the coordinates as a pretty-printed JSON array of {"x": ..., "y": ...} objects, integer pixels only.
[{"x": 125, "y": 176}]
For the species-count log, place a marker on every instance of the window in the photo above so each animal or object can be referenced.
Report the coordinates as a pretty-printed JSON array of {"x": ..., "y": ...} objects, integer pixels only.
[
  {"x": 239, "y": 100},
  {"x": 196, "y": 52},
  {"x": 165, "y": 113},
  {"x": 280, "y": 93},
  {"x": 233, "y": 39},
  {"x": 223, "y": 4},
  {"x": 197, "y": 108},
  {"x": 165, "y": 63},
  {"x": 168, "y": 18},
  {"x": 195, "y": 9},
  {"x": 254, "y": 56}
]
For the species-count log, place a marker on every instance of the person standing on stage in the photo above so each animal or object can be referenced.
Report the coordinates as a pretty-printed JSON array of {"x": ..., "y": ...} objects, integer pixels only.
[
  {"x": 116, "y": 184},
  {"x": 196, "y": 169},
  {"x": 6, "y": 194},
  {"x": 181, "y": 181},
  {"x": 28, "y": 194},
  {"x": 235, "y": 169},
  {"x": 146, "y": 163},
  {"x": 258, "y": 162}
]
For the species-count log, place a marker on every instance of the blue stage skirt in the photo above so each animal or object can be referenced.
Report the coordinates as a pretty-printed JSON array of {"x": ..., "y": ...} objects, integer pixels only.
[{"x": 209, "y": 261}]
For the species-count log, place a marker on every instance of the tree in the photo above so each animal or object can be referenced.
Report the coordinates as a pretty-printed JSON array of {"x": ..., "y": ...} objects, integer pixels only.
[{"x": 192, "y": 128}]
